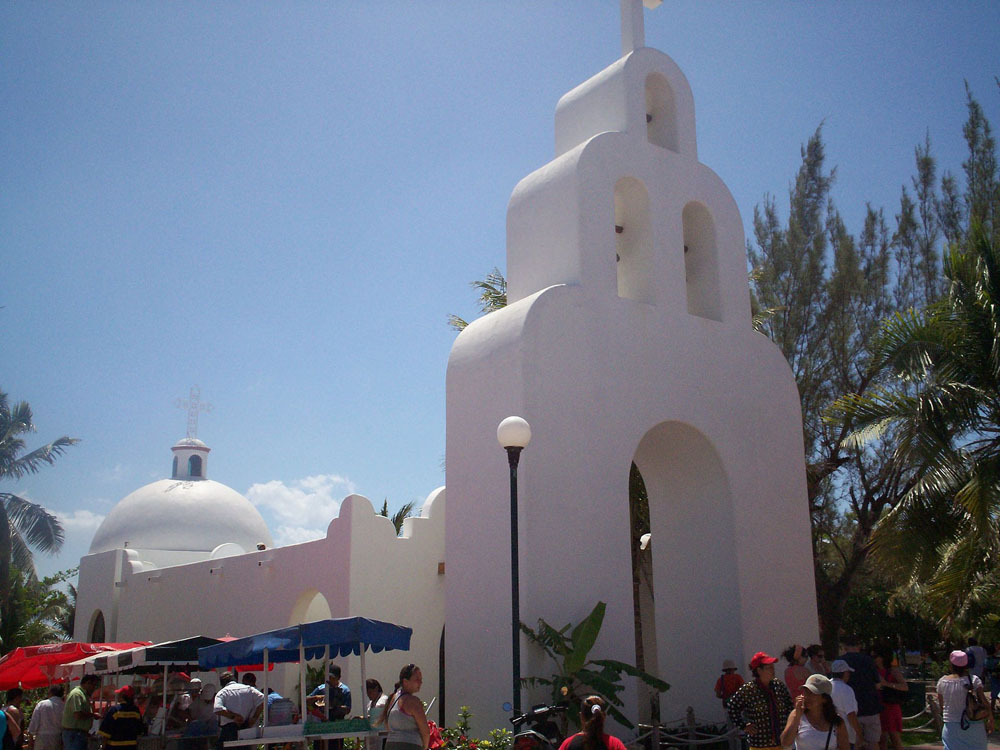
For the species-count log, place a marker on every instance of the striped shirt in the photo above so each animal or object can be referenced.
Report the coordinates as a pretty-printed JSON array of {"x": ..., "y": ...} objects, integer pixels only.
[{"x": 121, "y": 726}]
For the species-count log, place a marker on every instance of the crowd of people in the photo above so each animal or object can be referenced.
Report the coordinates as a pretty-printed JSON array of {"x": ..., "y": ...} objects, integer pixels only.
[
  {"x": 855, "y": 702},
  {"x": 202, "y": 713}
]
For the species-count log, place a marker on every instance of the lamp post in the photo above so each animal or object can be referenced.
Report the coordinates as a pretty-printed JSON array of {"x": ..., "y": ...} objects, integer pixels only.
[{"x": 514, "y": 434}]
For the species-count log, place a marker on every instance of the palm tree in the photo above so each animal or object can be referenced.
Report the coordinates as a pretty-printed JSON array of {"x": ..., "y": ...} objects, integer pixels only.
[
  {"x": 23, "y": 524},
  {"x": 397, "y": 518},
  {"x": 492, "y": 296},
  {"x": 39, "y": 610},
  {"x": 941, "y": 414}
]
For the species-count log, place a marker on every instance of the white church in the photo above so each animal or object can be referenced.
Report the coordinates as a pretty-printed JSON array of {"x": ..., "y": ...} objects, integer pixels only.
[{"x": 627, "y": 338}]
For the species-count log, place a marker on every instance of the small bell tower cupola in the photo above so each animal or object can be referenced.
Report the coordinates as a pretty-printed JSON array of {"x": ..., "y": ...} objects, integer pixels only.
[
  {"x": 190, "y": 459},
  {"x": 190, "y": 453}
]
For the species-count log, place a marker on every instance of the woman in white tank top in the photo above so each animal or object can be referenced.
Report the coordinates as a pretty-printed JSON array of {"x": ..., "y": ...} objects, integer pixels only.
[
  {"x": 405, "y": 718},
  {"x": 814, "y": 724}
]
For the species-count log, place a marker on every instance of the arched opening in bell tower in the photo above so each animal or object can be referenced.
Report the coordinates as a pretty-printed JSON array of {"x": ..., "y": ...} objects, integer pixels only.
[
  {"x": 644, "y": 618},
  {"x": 661, "y": 112},
  {"x": 689, "y": 613},
  {"x": 96, "y": 632},
  {"x": 633, "y": 241},
  {"x": 701, "y": 262}
]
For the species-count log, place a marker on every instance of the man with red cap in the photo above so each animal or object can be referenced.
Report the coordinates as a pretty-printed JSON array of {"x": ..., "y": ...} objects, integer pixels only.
[
  {"x": 122, "y": 724},
  {"x": 761, "y": 707}
]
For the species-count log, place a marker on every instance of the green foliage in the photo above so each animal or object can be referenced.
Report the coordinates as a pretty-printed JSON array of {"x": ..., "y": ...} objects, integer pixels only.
[
  {"x": 578, "y": 676},
  {"x": 23, "y": 524},
  {"x": 942, "y": 415},
  {"x": 885, "y": 614},
  {"x": 492, "y": 296},
  {"x": 397, "y": 518},
  {"x": 826, "y": 293},
  {"x": 38, "y": 612},
  {"x": 315, "y": 676},
  {"x": 458, "y": 737}
]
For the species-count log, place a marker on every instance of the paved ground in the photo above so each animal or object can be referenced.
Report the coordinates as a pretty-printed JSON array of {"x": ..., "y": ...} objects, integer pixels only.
[{"x": 994, "y": 744}]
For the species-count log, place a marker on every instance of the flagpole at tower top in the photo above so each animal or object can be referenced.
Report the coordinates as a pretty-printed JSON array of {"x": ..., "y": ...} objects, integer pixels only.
[{"x": 633, "y": 30}]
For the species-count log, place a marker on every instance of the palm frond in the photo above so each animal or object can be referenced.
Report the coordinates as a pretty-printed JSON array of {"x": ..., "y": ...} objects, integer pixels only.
[
  {"x": 32, "y": 462},
  {"x": 404, "y": 512},
  {"x": 39, "y": 528}
]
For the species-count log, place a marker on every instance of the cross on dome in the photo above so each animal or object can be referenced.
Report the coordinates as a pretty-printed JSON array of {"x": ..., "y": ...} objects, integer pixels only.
[
  {"x": 633, "y": 30},
  {"x": 193, "y": 404}
]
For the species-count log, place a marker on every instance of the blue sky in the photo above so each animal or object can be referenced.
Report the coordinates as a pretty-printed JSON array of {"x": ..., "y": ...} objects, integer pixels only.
[{"x": 281, "y": 203}]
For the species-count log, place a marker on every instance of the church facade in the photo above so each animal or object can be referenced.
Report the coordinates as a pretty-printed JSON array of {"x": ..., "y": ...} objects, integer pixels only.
[
  {"x": 189, "y": 556},
  {"x": 627, "y": 340}
]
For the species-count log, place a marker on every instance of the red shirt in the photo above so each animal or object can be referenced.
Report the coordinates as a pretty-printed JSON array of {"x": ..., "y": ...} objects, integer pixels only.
[
  {"x": 575, "y": 742},
  {"x": 728, "y": 684}
]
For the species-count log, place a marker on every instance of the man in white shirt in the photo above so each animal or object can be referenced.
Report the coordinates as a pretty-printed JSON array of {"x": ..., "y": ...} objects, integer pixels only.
[
  {"x": 844, "y": 699},
  {"x": 237, "y": 706},
  {"x": 45, "y": 727}
]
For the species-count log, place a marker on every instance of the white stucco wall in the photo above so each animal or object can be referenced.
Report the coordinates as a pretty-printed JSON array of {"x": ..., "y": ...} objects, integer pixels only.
[
  {"x": 360, "y": 569},
  {"x": 706, "y": 407},
  {"x": 647, "y": 357}
]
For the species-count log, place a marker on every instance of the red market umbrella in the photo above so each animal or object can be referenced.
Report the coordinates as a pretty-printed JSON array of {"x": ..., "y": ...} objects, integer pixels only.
[{"x": 25, "y": 666}]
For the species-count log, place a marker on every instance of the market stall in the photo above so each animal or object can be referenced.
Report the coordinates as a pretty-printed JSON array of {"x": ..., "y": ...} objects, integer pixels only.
[
  {"x": 299, "y": 643},
  {"x": 38, "y": 666}
]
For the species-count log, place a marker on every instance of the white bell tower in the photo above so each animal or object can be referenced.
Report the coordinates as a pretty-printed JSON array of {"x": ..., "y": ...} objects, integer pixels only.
[{"x": 627, "y": 338}]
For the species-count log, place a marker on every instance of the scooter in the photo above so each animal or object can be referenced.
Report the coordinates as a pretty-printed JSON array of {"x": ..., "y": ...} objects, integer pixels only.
[{"x": 537, "y": 729}]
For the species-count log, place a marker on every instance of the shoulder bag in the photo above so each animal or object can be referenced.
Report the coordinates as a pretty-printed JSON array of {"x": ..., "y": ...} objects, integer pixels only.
[{"x": 975, "y": 709}]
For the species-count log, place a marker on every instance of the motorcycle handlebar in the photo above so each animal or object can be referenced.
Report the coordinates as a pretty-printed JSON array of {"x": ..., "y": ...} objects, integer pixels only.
[{"x": 537, "y": 713}]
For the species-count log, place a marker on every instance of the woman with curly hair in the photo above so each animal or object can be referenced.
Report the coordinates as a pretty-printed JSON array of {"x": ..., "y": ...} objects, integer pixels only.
[{"x": 795, "y": 673}]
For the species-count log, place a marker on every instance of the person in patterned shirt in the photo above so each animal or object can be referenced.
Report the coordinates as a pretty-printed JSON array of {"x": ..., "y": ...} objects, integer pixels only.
[{"x": 761, "y": 707}]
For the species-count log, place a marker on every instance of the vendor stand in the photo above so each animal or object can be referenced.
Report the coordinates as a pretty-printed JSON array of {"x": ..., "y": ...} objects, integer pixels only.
[
  {"x": 299, "y": 643},
  {"x": 159, "y": 660},
  {"x": 38, "y": 666}
]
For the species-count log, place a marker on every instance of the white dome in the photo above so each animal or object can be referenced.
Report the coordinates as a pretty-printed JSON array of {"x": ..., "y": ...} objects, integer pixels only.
[{"x": 182, "y": 515}]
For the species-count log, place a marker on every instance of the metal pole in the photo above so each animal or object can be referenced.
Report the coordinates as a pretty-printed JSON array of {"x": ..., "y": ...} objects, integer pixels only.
[
  {"x": 265, "y": 687},
  {"x": 513, "y": 454}
]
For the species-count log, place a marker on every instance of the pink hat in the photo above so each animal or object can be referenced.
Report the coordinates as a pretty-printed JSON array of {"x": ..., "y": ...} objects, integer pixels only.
[{"x": 958, "y": 658}]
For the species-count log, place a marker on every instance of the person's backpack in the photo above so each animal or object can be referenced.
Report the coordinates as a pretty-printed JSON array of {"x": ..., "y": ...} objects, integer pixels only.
[{"x": 975, "y": 709}]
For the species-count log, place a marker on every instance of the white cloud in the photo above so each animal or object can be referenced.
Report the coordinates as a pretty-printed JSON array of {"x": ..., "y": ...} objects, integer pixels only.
[
  {"x": 114, "y": 474},
  {"x": 301, "y": 509},
  {"x": 285, "y": 535},
  {"x": 80, "y": 520}
]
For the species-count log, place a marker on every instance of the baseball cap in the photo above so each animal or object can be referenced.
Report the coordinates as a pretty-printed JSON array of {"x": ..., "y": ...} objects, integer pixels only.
[
  {"x": 840, "y": 666},
  {"x": 818, "y": 684},
  {"x": 761, "y": 658},
  {"x": 126, "y": 692}
]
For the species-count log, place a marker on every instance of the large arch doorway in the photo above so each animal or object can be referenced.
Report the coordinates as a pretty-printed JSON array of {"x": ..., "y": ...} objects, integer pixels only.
[
  {"x": 689, "y": 609},
  {"x": 309, "y": 607}
]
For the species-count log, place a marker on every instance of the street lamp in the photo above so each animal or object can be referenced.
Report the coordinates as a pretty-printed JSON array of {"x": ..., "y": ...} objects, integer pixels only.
[{"x": 514, "y": 434}]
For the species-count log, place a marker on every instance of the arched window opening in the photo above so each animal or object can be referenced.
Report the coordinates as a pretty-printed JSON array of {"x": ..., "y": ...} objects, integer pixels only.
[
  {"x": 194, "y": 466},
  {"x": 701, "y": 262},
  {"x": 661, "y": 112},
  {"x": 97, "y": 629},
  {"x": 633, "y": 241}
]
